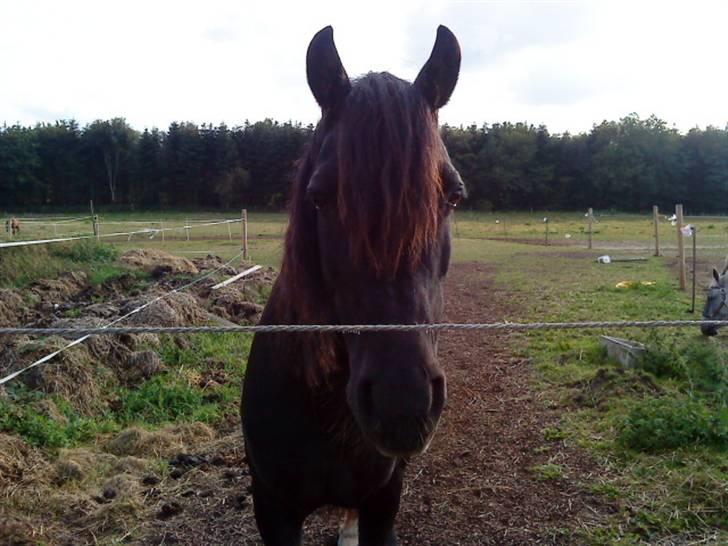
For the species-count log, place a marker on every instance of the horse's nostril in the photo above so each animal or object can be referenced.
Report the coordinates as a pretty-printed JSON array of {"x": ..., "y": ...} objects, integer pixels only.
[{"x": 438, "y": 396}]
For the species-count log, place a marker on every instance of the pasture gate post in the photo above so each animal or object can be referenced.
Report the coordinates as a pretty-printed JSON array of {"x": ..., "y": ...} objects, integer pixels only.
[
  {"x": 656, "y": 220},
  {"x": 680, "y": 246},
  {"x": 244, "y": 233},
  {"x": 93, "y": 218},
  {"x": 693, "y": 231},
  {"x": 96, "y": 228},
  {"x": 591, "y": 222}
]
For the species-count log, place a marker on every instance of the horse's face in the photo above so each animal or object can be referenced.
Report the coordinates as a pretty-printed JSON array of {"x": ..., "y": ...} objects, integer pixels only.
[
  {"x": 716, "y": 305},
  {"x": 383, "y": 236}
]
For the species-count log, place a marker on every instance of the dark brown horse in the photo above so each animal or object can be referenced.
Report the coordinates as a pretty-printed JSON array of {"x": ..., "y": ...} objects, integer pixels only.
[{"x": 330, "y": 419}]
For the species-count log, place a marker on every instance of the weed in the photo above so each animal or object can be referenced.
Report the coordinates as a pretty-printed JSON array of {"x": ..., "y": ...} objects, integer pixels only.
[
  {"x": 668, "y": 423},
  {"x": 548, "y": 471}
]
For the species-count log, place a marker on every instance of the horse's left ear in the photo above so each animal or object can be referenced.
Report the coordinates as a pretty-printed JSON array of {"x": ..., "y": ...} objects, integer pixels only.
[
  {"x": 716, "y": 276},
  {"x": 327, "y": 78},
  {"x": 437, "y": 79}
]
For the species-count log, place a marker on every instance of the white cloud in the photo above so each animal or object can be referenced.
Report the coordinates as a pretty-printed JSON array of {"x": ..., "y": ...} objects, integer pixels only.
[{"x": 565, "y": 64}]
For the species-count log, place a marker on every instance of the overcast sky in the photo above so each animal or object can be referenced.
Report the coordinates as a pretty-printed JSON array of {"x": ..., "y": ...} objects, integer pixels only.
[{"x": 566, "y": 64}]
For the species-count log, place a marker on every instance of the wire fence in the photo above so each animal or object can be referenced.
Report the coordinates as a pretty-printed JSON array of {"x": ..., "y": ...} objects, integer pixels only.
[
  {"x": 366, "y": 328},
  {"x": 150, "y": 232}
]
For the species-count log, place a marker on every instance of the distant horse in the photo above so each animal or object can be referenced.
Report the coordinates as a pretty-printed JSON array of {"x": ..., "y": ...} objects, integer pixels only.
[
  {"x": 12, "y": 225},
  {"x": 716, "y": 305},
  {"x": 331, "y": 419}
]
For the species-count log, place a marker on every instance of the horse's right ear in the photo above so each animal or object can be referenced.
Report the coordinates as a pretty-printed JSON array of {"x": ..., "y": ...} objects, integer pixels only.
[
  {"x": 327, "y": 78},
  {"x": 436, "y": 81},
  {"x": 716, "y": 275}
]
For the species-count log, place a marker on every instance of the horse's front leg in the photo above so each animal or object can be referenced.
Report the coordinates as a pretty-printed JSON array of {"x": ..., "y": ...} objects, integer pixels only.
[
  {"x": 378, "y": 512},
  {"x": 278, "y": 525}
]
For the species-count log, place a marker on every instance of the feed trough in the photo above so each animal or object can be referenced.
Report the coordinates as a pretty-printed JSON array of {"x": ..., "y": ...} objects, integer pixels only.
[{"x": 626, "y": 352}]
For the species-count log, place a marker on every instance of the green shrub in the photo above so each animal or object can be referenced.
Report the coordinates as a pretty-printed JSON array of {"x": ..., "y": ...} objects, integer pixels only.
[
  {"x": 41, "y": 430},
  {"x": 163, "y": 399},
  {"x": 87, "y": 251},
  {"x": 668, "y": 423}
]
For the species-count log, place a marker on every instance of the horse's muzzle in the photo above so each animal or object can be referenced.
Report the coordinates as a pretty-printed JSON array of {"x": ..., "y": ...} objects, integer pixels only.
[
  {"x": 399, "y": 417},
  {"x": 708, "y": 329}
]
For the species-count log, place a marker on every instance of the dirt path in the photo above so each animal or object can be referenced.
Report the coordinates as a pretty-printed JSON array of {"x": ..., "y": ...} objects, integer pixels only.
[{"x": 475, "y": 486}]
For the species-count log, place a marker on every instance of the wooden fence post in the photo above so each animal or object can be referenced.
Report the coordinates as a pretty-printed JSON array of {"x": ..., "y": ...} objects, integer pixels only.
[
  {"x": 680, "y": 246},
  {"x": 591, "y": 222},
  {"x": 245, "y": 233},
  {"x": 187, "y": 228},
  {"x": 693, "y": 231},
  {"x": 97, "y": 231},
  {"x": 546, "y": 221},
  {"x": 656, "y": 220},
  {"x": 93, "y": 219},
  {"x": 161, "y": 227}
]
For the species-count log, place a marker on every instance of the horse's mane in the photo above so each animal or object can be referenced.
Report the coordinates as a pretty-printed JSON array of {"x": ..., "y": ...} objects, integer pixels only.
[{"x": 388, "y": 194}]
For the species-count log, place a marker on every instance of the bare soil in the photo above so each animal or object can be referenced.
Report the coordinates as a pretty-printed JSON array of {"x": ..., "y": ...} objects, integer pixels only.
[{"x": 478, "y": 484}]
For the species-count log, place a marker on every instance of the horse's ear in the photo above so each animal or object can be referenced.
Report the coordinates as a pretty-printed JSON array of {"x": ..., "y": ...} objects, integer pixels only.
[
  {"x": 327, "y": 78},
  {"x": 716, "y": 276},
  {"x": 437, "y": 79}
]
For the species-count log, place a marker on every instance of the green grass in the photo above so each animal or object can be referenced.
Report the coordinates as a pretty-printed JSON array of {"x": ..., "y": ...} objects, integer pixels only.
[
  {"x": 173, "y": 397},
  {"x": 20, "y": 267},
  {"x": 659, "y": 430},
  {"x": 26, "y": 414}
]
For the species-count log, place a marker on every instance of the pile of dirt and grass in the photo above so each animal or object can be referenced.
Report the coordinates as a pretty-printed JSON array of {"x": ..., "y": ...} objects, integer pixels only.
[
  {"x": 158, "y": 262},
  {"x": 65, "y": 459}
]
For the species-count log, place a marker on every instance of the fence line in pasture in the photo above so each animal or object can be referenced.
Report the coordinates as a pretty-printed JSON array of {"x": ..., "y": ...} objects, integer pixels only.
[
  {"x": 363, "y": 328},
  {"x": 146, "y": 231},
  {"x": 102, "y": 329},
  {"x": 47, "y": 219},
  {"x": 109, "y": 329}
]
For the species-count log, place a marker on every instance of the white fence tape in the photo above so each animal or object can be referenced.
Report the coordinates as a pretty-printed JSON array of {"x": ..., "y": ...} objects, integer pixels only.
[{"x": 238, "y": 276}]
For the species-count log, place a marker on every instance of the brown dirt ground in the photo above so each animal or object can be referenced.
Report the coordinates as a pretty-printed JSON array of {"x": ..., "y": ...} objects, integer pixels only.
[{"x": 475, "y": 485}]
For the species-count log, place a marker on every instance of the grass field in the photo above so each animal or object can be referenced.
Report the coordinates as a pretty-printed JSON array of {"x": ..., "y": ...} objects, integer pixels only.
[{"x": 659, "y": 432}]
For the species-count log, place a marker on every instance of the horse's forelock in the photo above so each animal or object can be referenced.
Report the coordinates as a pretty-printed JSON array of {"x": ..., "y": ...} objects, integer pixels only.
[{"x": 389, "y": 187}]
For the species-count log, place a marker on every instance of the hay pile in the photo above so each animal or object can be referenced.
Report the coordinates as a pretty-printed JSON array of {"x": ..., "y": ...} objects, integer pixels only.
[
  {"x": 231, "y": 303},
  {"x": 158, "y": 262},
  {"x": 65, "y": 287},
  {"x": 164, "y": 442},
  {"x": 13, "y": 310}
]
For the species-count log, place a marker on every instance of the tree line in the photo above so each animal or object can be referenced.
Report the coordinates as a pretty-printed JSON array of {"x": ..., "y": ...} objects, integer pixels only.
[{"x": 627, "y": 165}]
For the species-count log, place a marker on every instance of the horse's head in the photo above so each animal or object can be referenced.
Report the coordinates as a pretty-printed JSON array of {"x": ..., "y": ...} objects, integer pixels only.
[
  {"x": 371, "y": 218},
  {"x": 716, "y": 306}
]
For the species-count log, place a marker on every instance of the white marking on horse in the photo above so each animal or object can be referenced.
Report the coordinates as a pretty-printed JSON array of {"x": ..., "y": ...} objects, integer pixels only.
[{"x": 349, "y": 529}]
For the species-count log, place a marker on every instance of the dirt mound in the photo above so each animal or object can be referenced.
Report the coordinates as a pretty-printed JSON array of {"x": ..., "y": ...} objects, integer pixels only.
[
  {"x": 19, "y": 463},
  {"x": 72, "y": 374},
  {"x": 178, "y": 309},
  {"x": 210, "y": 262},
  {"x": 611, "y": 382},
  {"x": 158, "y": 262},
  {"x": 140, "y": 366},
  {"x": 165, "y": 442},
  {"x": 231, "y": 303},
  {"x": 13, "y": 309},
  {"x": 67, "y": 286}
]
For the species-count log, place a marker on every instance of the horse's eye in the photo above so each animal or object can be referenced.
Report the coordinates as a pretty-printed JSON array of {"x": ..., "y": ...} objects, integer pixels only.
[
  {"x": 319, "y": 199},
  {"x": 454, "y": 198}
]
